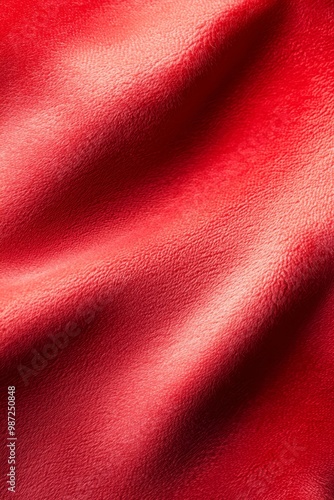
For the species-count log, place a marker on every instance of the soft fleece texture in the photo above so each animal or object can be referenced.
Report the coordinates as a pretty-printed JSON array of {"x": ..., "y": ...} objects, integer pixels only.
[{"x": 166, "y": 202}]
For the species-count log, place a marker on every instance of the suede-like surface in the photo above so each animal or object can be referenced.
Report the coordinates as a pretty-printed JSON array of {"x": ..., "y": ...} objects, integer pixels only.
[{"x": 166, "y": 248}]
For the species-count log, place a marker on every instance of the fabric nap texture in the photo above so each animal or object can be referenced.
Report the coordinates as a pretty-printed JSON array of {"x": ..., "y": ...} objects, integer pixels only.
[{"x": 166, "y": 248}]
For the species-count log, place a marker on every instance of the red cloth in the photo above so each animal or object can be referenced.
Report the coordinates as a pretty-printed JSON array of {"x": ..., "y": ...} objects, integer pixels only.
[{"x": 166, "y": 304}]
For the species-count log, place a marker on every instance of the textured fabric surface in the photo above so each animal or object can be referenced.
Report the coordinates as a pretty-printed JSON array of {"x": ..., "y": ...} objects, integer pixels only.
[{"x": 166, "y": 248}]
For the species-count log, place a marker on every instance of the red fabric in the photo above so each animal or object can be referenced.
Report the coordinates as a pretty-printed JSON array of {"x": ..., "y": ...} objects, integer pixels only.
[{"x": 166, "y": 299}]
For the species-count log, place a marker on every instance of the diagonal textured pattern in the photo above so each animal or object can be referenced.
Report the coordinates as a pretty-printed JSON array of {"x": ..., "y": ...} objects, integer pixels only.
[{"x": 166, "y": 248}]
